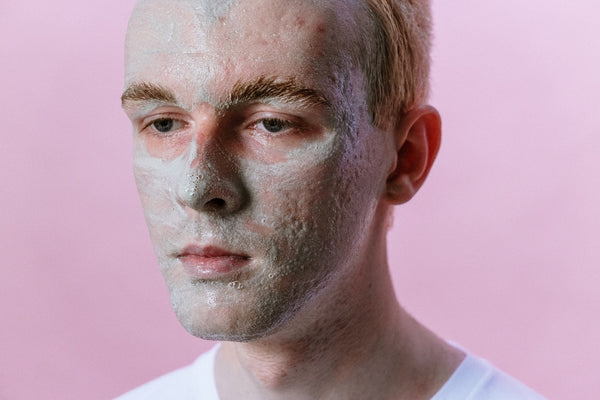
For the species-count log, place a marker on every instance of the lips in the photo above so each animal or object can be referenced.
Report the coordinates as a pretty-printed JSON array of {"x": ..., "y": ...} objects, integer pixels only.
[{"x": 210, "y": 262}]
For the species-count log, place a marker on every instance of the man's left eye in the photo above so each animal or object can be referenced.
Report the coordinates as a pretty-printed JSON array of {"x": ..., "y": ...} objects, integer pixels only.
[{"x": 274, "y": 125}]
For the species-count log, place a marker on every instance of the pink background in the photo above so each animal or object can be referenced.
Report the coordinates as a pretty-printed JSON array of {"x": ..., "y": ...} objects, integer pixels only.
[{"x": 499, "y": 252}]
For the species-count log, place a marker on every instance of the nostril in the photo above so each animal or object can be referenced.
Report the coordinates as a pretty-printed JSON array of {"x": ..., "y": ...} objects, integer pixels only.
[{"x": 215, "y": 203}]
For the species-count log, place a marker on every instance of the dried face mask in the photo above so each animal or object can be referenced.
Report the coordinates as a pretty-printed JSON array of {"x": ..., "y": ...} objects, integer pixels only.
[{"x": 257, "y": 167}]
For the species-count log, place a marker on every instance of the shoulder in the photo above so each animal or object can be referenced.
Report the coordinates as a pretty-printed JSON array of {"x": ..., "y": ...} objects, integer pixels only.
[
  {"x": 195, "y": 381},
  {"x": 477, "y": 379}
]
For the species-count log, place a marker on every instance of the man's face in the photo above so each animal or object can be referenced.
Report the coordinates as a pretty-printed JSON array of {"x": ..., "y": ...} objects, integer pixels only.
[{"x": 257, "y": 167}]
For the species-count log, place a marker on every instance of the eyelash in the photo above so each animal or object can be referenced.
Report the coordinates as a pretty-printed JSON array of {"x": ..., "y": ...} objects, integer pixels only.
[{"x": 283, "y": 125}]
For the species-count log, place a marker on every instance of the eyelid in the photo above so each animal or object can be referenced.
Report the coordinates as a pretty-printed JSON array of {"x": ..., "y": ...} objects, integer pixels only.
[
  {"x": 287, "y": 126},
  {"x": 288, "y": 120}
]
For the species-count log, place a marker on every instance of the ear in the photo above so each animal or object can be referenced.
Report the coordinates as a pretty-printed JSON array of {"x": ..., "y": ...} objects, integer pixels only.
[{"x": 417, "y": 137}]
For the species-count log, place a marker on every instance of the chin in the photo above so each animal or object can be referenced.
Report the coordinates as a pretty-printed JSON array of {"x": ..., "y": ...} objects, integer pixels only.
[
  {"x": 226, "y": 336},
  {"x": 240, "y": 321},
  {"x": 214, "y": 310},
  {"x": 229, "y": 331}
]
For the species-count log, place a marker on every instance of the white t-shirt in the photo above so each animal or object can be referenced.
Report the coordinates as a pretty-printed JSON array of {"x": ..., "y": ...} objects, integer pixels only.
[
  {"x": 474, "y": 379},
  {"x": 194, "y": 382}
]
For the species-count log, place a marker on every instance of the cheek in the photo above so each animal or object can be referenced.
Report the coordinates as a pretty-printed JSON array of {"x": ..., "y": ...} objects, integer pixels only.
[
  {"x": 260, "y": 152},
  {"x": 165, "y": 148},
  {"x": 302, "y": 178},
  {"x": 155, "y": 179},
  {"x": 337, "y": 198},
  {"x": 295, "y": 200},
  {"x": 157, "y": 203}
]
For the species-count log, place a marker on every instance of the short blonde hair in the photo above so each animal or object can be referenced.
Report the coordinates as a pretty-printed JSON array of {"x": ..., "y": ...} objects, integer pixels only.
[{"x": 397, "y": 60}]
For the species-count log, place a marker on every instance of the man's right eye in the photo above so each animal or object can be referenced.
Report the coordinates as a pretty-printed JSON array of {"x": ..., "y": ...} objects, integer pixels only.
[{"x": 163, "y": 125}]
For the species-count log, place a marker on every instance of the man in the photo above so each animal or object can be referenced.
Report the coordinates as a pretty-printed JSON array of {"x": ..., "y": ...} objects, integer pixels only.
[{"x": 272, "y": 139}]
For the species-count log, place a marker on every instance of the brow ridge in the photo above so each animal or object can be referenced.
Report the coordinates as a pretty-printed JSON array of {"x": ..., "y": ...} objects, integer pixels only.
[
  {"x": 264, "y": 88},
  {"x": 146, "y": 91},
  {"x": 242, "y": 92}
]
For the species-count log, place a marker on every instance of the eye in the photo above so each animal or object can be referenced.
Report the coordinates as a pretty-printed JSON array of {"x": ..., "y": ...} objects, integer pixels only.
[
  {"x": 274, "y": 125},
  {"x": 165, "y": 125}
]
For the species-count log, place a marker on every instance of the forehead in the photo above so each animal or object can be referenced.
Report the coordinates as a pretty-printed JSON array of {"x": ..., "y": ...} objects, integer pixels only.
[{"x": 211, "y": 44}]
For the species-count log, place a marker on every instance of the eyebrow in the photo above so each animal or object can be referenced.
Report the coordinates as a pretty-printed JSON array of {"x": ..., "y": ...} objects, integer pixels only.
[
  {"x": 266, "y": 88},
  {"x": 242, "y": 92},
  {"x": 146, "y": 91}
]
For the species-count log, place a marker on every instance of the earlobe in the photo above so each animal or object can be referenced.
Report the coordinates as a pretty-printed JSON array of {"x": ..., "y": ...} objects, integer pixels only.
[{"x": 417, "y": 137}]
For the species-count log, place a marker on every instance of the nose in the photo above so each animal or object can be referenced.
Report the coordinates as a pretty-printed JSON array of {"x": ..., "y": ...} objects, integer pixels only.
[{"x": 212, "y": 183}]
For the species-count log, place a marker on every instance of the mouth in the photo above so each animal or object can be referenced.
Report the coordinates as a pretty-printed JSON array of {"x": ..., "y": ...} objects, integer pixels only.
[{"x": 210, "y": 262}]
